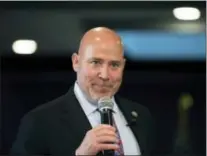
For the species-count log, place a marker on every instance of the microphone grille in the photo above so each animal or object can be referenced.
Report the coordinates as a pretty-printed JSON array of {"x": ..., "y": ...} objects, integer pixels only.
[{"x": 105, "y": 103}]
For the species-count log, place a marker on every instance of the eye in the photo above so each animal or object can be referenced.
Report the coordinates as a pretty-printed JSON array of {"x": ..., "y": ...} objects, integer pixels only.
[
  {"x": 115, "y": 65},
  {"x": 95, "y": 62}
]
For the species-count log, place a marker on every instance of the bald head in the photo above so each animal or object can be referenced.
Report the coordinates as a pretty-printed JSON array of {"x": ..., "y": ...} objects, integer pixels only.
[
  {"x": 100, "y": 37},
  {"x": 99, "y": 63}
]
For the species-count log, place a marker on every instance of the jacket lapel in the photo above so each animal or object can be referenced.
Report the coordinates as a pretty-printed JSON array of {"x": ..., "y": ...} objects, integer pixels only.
[
  {"x": 74, "y": 118},
  {"x": 73, "y": 114},
  {"x": 137, "y": 127}
]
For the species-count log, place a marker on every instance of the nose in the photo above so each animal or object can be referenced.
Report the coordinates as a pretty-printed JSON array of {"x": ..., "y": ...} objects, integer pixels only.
[{"x": 104, "y": 73}]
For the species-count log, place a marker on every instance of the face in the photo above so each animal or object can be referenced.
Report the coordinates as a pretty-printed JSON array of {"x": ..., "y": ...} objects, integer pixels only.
[{"x": 99, "y": 70}]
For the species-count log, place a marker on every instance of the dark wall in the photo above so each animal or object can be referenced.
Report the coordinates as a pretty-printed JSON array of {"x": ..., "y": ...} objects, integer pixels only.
[{"x": 28, "y": 83}]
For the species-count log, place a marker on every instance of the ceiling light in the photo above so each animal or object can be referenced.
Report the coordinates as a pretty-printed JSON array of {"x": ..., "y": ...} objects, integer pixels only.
[
  {"x": 186, "y": 13},
  {"x": 24, "y": 47}
]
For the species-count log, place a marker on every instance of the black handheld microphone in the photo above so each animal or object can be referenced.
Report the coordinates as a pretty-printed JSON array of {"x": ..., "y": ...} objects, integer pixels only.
[{"x": 105, "y": 106}]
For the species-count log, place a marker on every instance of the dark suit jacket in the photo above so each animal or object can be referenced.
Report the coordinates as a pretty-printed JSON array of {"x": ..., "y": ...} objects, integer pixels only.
[{"x": 58, "y": 127}]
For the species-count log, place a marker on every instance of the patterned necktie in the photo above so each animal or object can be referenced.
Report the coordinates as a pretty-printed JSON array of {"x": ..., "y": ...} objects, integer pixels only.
[{"x": 120, "y": 151}]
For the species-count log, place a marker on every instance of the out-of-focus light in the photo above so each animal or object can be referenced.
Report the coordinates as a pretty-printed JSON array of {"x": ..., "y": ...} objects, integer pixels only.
[
  {"x": 24, "y": 47},
  {"x": 186, "y": 13},
  {"x": 186, "y": 27}
]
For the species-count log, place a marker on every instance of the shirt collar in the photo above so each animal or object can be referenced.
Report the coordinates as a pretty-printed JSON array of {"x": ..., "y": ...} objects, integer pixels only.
[{"x": 85, "y": 104}]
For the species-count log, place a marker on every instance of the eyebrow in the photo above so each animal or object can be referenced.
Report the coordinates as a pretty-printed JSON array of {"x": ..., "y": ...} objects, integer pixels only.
[
  {"x": 95, "y": 58},
  {"x": 99, "y": 59}
]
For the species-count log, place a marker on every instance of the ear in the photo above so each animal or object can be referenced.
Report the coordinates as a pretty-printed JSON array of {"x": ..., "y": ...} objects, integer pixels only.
[{"x": 75, "y": 61}]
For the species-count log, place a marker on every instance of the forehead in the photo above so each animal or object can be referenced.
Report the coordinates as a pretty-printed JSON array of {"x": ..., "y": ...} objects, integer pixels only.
[{"x": 104, "y": 51}]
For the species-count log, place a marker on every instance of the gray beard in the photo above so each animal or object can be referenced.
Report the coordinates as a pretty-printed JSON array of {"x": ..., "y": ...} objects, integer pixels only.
[{"x": 90, "y": 100}]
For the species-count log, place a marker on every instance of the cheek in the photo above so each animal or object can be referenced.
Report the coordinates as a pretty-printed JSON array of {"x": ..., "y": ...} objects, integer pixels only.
[
  {"x": 88, "y": 74},
  {"x": 116, "y": 76}
]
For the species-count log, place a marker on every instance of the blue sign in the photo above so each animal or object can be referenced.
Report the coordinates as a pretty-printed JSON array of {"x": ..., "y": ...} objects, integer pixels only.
[{"x": 161, "y": 45}]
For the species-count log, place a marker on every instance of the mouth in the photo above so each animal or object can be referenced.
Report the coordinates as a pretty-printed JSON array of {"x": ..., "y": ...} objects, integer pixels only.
[{"x": 102, "y": 88}]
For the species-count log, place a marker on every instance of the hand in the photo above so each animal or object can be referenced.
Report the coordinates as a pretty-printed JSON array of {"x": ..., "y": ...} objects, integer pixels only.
[{"x": 102, "y": 137}]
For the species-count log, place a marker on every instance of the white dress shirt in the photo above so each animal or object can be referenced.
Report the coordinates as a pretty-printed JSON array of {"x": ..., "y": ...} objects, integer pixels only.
[{"x": 130, "y": 144}]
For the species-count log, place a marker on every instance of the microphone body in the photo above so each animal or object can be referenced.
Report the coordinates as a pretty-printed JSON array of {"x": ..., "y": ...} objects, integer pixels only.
[
  {"x": 106, "y": 113},
  {"x": 107, "y": 117}
]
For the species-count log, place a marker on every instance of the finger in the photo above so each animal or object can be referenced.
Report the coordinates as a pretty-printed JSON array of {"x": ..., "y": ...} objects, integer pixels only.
[
  {"x": 109, "y": 139},
  {"x": 104, "y": 126},
  {"x": 108, "y": 147},
  {"x": 105, "y": 132}
]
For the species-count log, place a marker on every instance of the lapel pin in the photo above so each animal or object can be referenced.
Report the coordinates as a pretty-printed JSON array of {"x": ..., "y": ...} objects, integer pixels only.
[
  {"x": 133, "y": 119},
  {"x": 134, "y": 114}
]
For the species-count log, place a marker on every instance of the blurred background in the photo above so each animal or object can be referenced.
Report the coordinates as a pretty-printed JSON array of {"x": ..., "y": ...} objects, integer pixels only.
[{"x": 165, "y": 71}]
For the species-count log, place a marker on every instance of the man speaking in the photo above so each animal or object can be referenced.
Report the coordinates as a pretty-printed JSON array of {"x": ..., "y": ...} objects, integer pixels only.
[{"x": 74, "y": 124}]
